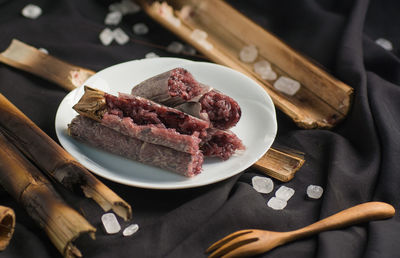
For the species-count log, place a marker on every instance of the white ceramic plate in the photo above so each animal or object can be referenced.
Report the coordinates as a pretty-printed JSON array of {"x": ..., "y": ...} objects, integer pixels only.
[{"x": 257, "y": 127}]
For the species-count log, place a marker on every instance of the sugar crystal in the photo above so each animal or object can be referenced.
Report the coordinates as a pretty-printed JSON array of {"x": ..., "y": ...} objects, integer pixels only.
[
  {"x": 314, "y": 191},
  {"x": 43, "y": 50},
  {"x": 106, "y": 36},
  {"x": 287, "y": 85},
  {"x": 120, "y": 36},
  {"x": 110, "y": 223},
  {"x": 130, "y": 230},
  {"x": 248, "y": 54},
  {"x": 129, "y": 6},
  {"x": 189, "y": 50},
  {"x": 271, "y": 75},
  {"x": 124, "y": 7},
  {"x": 262, "y": 184},
  {"x": 198, "y": 35},
  {"x": 276, "y": 203},
  {"x": 140, "y": 28},
  {"x": 284, "y": 193},
  {"x": 386, "y": 44},
  {"x": 263, "y": 68},
  {"x": 31, "y": 11},
  {"x": 113, "y": 18},
  {"x": 151, "y": 55},
  {"x": 175, "y": 47},
  {"x": 115, "y": 7}
]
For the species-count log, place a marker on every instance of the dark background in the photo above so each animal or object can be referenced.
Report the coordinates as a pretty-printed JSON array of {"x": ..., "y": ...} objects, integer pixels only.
[{"x": 357, "y": 161}]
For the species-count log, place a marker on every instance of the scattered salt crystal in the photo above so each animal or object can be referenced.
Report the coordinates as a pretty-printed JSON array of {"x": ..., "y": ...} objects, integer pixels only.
[
  {"x": 287, "y": 85},
  {"x": 386, "y": 44},
  {"x": 31, "y": 11},
  {"x": 120, "y": 36},
  {"x": 276, "y": 203},
  {"x": 106, "y": 36},
  {"x": 130, "y": 230},
  {"x": 198, "y": 35},
  {"x": 151, "y": 55},
  {"x": 314, "y": 191},
  {"x": 110, "y": 223},
  {"x": 263, "y": 68},
  {"x": 248, "y": 54},
  {"x": 113, "y": 18},
  {"x": 262, "y": 184},
  {"x": 140, "y": 28},
  {"x": 124, "y": 7},
  {"x": 284, "y": 193},
  {"x": 43, "y": 50},
  {"x": 189, "y": 50},
  {"x": 175, "y": 47}
]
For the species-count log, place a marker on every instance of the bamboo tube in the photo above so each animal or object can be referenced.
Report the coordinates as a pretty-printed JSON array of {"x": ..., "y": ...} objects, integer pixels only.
[
  {"x": 51, "y": 158},
  {"x": 27, "y": 185},
  {"x": 7, "y": 225}
]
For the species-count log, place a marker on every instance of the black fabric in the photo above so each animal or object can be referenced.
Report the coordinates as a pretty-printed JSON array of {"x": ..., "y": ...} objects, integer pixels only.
[{"x": 355, "y": 162}]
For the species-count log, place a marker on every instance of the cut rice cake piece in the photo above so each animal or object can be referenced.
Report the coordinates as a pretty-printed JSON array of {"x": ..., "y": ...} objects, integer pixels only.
[
  {"x": 221, "y": 143},
  {"x": 170, "y": 88},
  {"x": 143, "y": 119},
  {"x": 178, "y": 88},
  {"x": 98, "y": 135}
]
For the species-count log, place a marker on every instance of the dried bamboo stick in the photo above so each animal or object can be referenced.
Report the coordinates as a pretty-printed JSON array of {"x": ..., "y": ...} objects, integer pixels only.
[
  {"x": 30, "y": 59},
  {"x": 279, "y": 164},
  {"x": 50, "y": 157},
  {"x": 29, "y": 187},
  {"x": 7, "y": 225}
]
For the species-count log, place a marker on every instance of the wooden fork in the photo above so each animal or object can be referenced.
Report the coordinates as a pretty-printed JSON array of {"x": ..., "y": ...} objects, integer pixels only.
[{"x": 253, "y": 241}]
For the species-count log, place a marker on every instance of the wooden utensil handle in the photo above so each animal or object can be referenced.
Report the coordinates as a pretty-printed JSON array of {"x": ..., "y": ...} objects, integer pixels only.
[{"x": 358, "y": 214}]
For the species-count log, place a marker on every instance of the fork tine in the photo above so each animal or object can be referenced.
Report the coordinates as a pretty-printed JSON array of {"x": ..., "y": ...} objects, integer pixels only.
[
  {"x": 231, "y": 246},
  {"x": 227, "y": 239},
  {"x": 244, "y": 250}
]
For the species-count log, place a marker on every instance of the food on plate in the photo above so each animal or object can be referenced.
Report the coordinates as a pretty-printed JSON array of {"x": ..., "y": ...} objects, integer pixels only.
[
  {"x": 143, "y": 119},
  {"x": 220, "y": 143},
  {"x": 141, "y": 130},
  {"x": 178, "y": 88},
  {"x": 98, "y": 135},
  {"x": 170, "y": 88},
  {"x": 170, "y": 121}
]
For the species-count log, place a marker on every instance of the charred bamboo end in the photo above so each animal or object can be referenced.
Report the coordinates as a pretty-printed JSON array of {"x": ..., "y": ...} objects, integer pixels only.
[
  {"x": 7, "y": 225},
  {"x": 107, "y": 199},
  {"x": 71, "y": 251}
]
